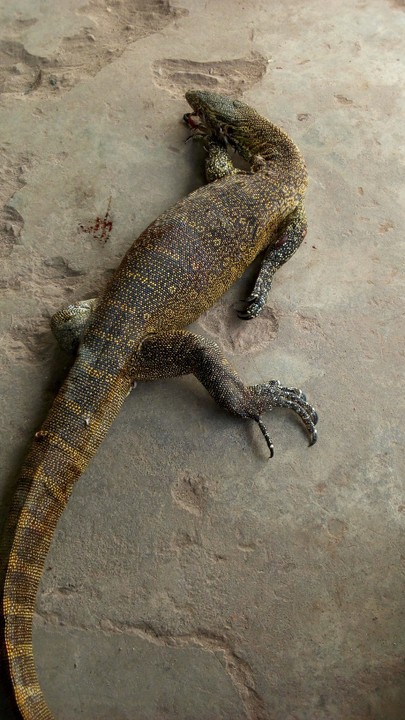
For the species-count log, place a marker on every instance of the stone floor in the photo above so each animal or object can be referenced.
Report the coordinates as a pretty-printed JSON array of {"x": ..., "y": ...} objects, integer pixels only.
[{"x": 190, "y": 577}]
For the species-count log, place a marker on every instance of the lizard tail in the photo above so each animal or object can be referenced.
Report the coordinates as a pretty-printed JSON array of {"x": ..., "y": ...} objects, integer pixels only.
[{"x": 60, "y": 453}]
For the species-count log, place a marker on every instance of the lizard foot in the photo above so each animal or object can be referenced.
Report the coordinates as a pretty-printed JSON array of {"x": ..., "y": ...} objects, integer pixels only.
[
  {"x": 254, "y": 306},
  {"x": 255, "y": 302},
  {"x": 273, "y": 394}
]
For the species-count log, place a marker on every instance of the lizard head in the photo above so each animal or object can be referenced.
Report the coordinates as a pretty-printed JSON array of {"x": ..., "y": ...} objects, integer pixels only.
[
  {"x": 224, "y": 120},
  {"x": 223, "y": 117}
]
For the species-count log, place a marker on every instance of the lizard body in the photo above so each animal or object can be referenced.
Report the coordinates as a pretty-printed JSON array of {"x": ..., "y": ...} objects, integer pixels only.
[{"x": 179, "y": 266}]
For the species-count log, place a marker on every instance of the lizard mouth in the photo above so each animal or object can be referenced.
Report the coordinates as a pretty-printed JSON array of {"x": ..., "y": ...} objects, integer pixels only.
[{"x": 197, "y": 122}]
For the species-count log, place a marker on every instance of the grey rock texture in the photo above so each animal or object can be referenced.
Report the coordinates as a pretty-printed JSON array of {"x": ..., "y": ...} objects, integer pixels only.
[{"x": 191, "y": 578}]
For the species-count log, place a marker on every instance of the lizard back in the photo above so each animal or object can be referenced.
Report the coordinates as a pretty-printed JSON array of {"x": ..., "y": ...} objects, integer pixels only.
[{"x": 187, "y": 258}]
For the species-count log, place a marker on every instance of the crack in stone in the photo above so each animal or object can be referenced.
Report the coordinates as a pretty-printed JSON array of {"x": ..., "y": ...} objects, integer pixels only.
[{"x": 238, "y": 670}]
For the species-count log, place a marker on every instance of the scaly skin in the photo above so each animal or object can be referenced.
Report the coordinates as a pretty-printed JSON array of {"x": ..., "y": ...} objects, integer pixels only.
[{"x": 179, "y": 266}]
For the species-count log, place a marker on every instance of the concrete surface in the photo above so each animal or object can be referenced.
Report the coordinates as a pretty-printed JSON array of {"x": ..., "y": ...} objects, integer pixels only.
[{"x": 191, "y": 578}]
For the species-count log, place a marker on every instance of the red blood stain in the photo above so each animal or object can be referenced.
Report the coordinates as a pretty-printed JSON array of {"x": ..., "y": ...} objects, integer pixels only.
[{"x": 102, "y": 227}]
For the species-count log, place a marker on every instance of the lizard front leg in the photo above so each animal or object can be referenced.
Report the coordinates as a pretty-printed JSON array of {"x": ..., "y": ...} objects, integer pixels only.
[
  {"x": 289, "y": 237},
  {"x": 182, "y": 352},
  {"x": 218, "y": 164},
  {"x": 69, "y": 324}
]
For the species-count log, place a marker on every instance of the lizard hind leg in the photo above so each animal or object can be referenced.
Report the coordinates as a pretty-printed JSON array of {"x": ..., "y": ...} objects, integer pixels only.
[
  {"x": 183, "y": 352},
  {"x": 69, "y": 324}
]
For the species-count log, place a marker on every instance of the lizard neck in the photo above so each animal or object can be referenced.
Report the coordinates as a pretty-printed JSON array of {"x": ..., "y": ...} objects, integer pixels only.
[{"x": 269, "y": 143}]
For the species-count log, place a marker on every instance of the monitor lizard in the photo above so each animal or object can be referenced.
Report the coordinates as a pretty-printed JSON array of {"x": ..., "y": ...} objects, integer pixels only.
[{"x": 178, "y": 268}]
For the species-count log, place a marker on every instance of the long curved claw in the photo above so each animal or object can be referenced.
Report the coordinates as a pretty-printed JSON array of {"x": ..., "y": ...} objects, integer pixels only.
[
  {"x": 314, "y": 438},
  {"x": 296, "y": 395},
  {"x": 306, "y": 413},
  {"x": 254, "y": 306},
  {"x": 265, "y": 435},
  {"x": 243, "y": 315}
]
